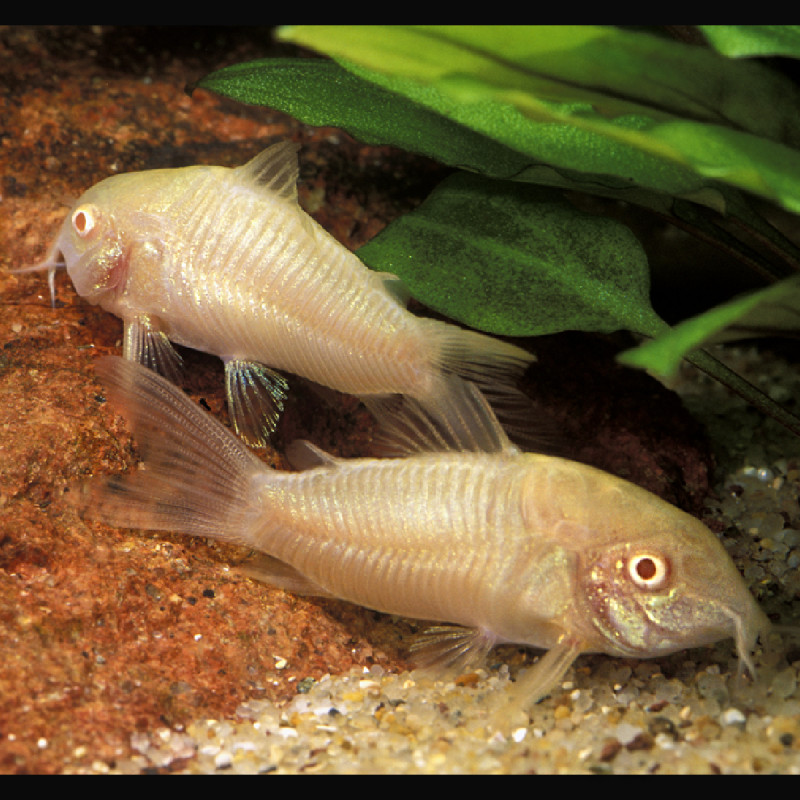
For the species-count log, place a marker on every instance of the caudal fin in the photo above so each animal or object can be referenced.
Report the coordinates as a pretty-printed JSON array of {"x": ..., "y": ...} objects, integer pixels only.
[
  {"x": 495, "y": 367},
  {"x": 196, "y": 477}
]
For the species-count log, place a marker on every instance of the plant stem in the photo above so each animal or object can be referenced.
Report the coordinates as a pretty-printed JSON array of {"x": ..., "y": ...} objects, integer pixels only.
[{"x": 717, "y": 370}]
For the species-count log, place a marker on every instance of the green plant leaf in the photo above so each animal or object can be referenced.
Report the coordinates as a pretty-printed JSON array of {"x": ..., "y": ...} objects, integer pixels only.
[
  {"x": 559, "y": 137},
  {"x": 617, "y": 72},
  {"x": 320, "y": 92},
  {"x": 494, "y": 139},
  {"x": 623, "y": 115},
  {"x": 518, "y": 260},
  {"x": 653, "y": 148},
  {"x": 422, "y": 119},
  {"x": 774, "y": 310},
  {"x": 737, "y": 41}
]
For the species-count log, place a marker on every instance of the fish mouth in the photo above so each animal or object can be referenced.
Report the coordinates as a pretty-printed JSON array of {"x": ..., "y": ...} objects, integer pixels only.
[
  {"x": 744, "y": 622},
  {"x": 668, "y": 624}
]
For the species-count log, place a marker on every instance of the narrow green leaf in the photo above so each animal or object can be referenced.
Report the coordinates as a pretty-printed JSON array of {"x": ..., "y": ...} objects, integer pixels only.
[
  {"x": 765, "y": 168},
  {"x": 681, "y": 159},
  {"x": 737, "y": 41},
  {"x": 514, "y": 259},
  {"x": 557, "y": 135},
  {"x": 774, "y": 310}
]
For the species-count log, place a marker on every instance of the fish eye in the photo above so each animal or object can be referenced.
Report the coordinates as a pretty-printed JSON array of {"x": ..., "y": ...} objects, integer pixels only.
[
  {"x": 83, "y": 221},
  {"x": 648, "y": 571}
]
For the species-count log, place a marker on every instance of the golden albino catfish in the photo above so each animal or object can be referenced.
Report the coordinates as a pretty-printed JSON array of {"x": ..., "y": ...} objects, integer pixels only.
[
  {"x": 465, "y": 529},
  {"x": 226, "y": 261}
]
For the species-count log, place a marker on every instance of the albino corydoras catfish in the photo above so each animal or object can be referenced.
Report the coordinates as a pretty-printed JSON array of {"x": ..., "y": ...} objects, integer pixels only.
[
  {"x": 506, "y": 546},
  {"x": 226, "y": 261}
]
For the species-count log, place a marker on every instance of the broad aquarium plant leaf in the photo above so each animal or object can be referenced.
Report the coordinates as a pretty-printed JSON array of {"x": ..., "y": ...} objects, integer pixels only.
[
  {"x": 492, "y": 138},
  {"x": 715, "y": 127},
  {"x": 679, "y": 129},
  {"x": 320, "y": 92},
  {"x": 615, "y": 72},
  {"x": 740, "y": 41},
  {"x": 516, "y": 259},
  {"x": 567, "y": 132}
]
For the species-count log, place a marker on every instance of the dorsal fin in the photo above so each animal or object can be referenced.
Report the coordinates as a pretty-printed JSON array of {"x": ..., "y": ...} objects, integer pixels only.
[
  {"x": 463, "y": 421},
  {"x": 302, "y": 454},
  {"x": 274, "y": 169},
  {"x": 395, "y": 287}
]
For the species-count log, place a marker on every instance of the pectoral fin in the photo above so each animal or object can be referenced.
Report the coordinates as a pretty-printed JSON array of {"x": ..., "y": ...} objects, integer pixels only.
[
  {"x": 256, "y": 395},
  {"x": 536, "y": 683},
  {"x": 146, "y": 344}
]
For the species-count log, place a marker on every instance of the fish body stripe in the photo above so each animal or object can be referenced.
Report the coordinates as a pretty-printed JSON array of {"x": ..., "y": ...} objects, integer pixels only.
[
  {"x": 283, "y": 292},
  {"x": 388, "y": 534}
]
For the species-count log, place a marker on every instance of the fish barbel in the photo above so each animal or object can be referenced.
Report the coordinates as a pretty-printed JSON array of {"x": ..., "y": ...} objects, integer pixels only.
[
  {"x": 226, "y": 261},
  {"x": 504, "y": 546}
]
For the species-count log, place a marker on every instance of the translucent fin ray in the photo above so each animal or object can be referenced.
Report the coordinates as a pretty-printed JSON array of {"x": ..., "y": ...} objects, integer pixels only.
[
  {"x": 274, "y": 169},
  {"x": 277, "y": 573},
  {"x": 256, "y": 396},
  {"x": 196, "y": 478},
  {"x": 146, "y": 344},
  {"x": 409, "y": 426},
  {"x": 303, "y": 454},
  {"x": 538, "y": 681},
  {"x": 451, "y": 648},
  {"x": 495, "y": 367},
  {"x": 395, "y": 287}
]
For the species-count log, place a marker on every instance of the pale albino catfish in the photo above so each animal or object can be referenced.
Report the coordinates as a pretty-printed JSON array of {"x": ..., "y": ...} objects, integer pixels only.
[
  {"x": 227, "y": 262},
  {"x": 506, "y": 546}
]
